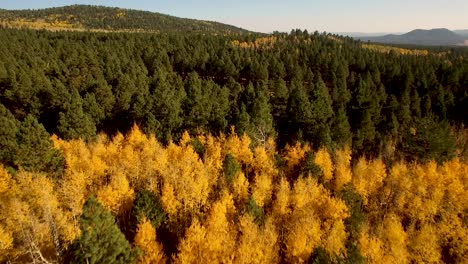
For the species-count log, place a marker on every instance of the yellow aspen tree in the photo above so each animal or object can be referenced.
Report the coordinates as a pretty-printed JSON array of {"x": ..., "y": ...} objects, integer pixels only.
[
  {"x": 264, "y": 162},
  {"x": 336, "y": 238},
  {"x": 303, "y": 235},
  {"x": 214, "y": 240},
  {"x": 371, "y": 247},
  {"x": 240, "y": 188},
  {"x": 343, "y": 174},
  {"x": 145, "y": 239},
  {"x": 239, "y": 148},
  {"x": 188, "y": 177},
  {"x": 262, "y": 189},
  {"x": 295, "y": 154},
  {"x": 395, "y": 239},
  {"x": 138, "y": 155},
  {"x": 117, "y": 196},
  {"x": 454, "y": 236},
  {"x": 368, "y": 177},
  {"x": 424, "y": 245},
  {"x": 281, "y": 204},
  {"x": 7, "y": 192},
  {"x": 221, "y": 234},
  {"x": 257, "y": 244},
  {"x": 191, "y": 248},
  {"x": 45, "y": 229},
  {"x": 213, "y": 156},
  {"x": 323, "y": 160}
]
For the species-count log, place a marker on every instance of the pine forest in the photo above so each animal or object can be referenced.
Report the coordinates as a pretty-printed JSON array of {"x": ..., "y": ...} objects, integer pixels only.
[{"x": 220, "y": 145}]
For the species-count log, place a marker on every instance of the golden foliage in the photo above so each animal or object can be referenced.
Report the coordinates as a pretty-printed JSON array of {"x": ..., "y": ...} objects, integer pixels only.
[
  {"x": 145, "y": 239},
  {"x": 343, "y": 173},
  {"x": 323, "y": 160},
  {"x": 368, "y": 176},
  {"x": 295, "y": 154},
  {"x": 257, "y": 244},
  {"x": 209, "y": 216}
]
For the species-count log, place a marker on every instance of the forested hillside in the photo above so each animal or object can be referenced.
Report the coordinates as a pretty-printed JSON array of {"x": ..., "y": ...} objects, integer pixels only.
[
  {"x": 100, "y": 18},
  {"x": 222, "y": 148}
]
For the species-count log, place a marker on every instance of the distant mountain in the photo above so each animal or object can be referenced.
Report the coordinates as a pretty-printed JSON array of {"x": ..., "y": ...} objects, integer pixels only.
[
  {"x": 99, "y": 18},
  {"x": 462, "y": 32},
  {"x": 432, "y": 37},
  {"x": 362, "y": 34}
]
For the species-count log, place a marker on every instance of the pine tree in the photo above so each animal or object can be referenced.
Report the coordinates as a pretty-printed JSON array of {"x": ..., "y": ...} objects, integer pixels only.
[
  {"x": 74, "y": 123},
  {"x": 35, "y": 149},
  {"x": 101, "y": 241},
  {"x": 8, "y": 130}
]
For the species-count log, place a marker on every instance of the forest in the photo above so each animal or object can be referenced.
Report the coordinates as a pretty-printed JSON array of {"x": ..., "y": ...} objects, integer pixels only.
[{"x": 230, "y": 148}]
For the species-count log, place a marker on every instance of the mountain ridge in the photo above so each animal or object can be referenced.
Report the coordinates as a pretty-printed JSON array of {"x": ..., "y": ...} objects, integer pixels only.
[
  {"x": 431, "y": 37},
  {"x": 102, "y": 18}
]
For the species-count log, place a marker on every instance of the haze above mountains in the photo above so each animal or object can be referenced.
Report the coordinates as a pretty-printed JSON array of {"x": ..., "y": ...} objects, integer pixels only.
[{"x": 99, "y": 18}]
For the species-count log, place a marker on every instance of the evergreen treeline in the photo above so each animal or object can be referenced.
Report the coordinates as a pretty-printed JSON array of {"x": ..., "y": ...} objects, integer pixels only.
[{"x": 316, "y": 88}]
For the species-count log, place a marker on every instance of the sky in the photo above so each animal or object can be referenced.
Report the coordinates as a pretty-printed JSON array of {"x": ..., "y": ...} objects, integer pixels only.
[{"x": 283, "y": 15}]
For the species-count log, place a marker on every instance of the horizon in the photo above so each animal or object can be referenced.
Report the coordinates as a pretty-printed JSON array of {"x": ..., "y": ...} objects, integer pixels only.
[{"x": 335, "y": 16}]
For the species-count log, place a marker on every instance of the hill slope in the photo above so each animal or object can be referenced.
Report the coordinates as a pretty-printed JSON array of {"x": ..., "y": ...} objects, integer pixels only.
[
  {"x": 435, "y": 37},
  {"x": 99, "y": 18}
]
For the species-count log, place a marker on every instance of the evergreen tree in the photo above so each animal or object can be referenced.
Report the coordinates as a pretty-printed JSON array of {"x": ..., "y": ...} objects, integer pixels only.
[
  {"x": 35, "y": 149},
  {"x": 8, "y": 130},
  {"x": 101, "y": 240},
  {"x": 74, "y": 123}
]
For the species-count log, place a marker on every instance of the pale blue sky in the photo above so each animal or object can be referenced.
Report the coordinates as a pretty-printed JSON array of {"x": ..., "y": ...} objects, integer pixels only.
[{"x": 284, "y": 15}]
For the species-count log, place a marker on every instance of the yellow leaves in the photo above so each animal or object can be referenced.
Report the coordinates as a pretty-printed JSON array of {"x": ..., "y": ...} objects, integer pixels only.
[
  {"x": 343, "y": 173},
  {"x": 368, "y": 177},
  {"x": 371, "y": 248},
  {"x": 255, "y": 244},
  {"x": 336, "y": 239},
  {"x": 263, "y": 162},
  {"x": 323, "y": 215},
  {"x": 239, "y": 148},
  {"x": 6, "y": 240},
  {"x": 191, "y": 247},
  {"x": 303, "y": 235},
  {"x": 299, "y": 215},
  {"x": 282, "y": 193},
  {"x": 145, "y": 239},
  {"x": 424, "y": 245},
  {"x": 396, "y": 239},
  {"x": 4, "y": 180},
  {"x": 262, "y": 189},
  {"x": 240, "y": 187},
  {"x": 323, "y": 160},
  {"x": 169, "y": 201},
  {"x": 187, "y": 175},
  {"x": 217, "y": 229},
  {"x": 295, "y": 154},
  {"x": 117, "y": 195},
  {"x": 305, "y": 191}
]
